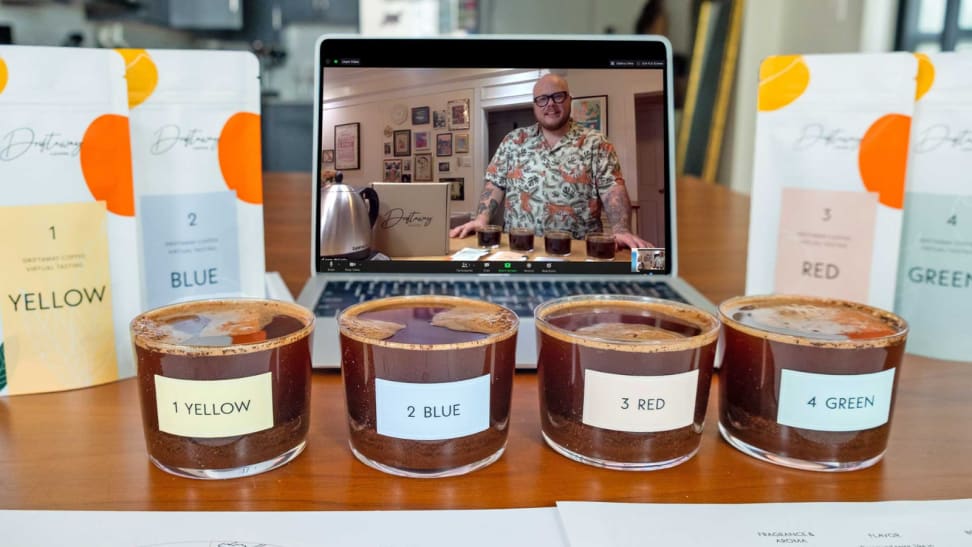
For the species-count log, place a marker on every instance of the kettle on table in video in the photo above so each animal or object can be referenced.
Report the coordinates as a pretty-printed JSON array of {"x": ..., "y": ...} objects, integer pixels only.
[{"x": 346, "y": 220}]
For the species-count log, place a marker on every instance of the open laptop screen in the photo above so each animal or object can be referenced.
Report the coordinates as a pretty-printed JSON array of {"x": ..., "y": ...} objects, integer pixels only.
[{"x": 463, "y": 112}]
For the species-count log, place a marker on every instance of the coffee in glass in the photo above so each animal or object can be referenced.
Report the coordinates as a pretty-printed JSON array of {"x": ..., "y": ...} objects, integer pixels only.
[
  {"x": 624, "y": 380},
  {"x": 557, "y": 243},
  {"x": 809, "y": 382},
  {"x": 489, "y": 236},
  {"x": 521, "y": 239},
  {"x": 428, "y": 381},
  {"x": 224, "y": 385},
  {"x": 600, "y": 246}
]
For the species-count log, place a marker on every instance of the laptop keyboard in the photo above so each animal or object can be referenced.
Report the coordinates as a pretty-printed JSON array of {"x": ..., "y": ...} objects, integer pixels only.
[{"x": 519, "y": 296}]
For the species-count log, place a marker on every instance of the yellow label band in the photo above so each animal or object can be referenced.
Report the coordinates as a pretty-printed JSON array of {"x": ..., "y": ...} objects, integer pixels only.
[
  {"x": 55, "y": 297},
  {"x": 214, "y": 408}
]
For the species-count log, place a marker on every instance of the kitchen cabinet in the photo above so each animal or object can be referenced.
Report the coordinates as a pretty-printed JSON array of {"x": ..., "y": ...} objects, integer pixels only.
[
  {"x": 206, "y": 14},
  {"x": 287, "y": 136},
  {"x": 194, "y": 14},
  {"x": 264, "y": 20},
  {"x": 336, "y": 12}
]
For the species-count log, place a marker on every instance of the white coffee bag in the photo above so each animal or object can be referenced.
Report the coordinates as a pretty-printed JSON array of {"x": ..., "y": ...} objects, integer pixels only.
[
  {"x": 195, "y": 119},
  {"x": 68, "y": 267},
  {"x": 935, "y": 275},
  {"x": 828, "y": 180}
]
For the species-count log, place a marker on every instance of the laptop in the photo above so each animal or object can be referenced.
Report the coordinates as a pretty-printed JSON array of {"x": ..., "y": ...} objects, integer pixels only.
[{"x": 433, "y": 110}]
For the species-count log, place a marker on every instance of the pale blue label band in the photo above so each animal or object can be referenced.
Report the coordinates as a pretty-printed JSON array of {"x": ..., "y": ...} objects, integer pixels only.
[
  {"x": 190, "y": 246},
  {"x": 426, "y": 412},
  {"x": 835, "y": 402}
]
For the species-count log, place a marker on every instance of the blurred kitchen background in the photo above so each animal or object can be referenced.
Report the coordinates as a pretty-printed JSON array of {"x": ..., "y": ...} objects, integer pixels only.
[{"x": 282, "y": 34}]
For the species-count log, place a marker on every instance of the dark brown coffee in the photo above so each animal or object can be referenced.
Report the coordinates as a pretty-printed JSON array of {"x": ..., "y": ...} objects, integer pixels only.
[
  {"x": 489, "y": 236},
  {"x": 393, "y": 348},
  {"x": 600, "y": 246},
  {"x": 583, "y": 340},
  {"x": 557, "y": 243},
  {"x": 185, "y": 348},
  {"x": 521, "y": 239},
  {"x": 828, "y": 342}
]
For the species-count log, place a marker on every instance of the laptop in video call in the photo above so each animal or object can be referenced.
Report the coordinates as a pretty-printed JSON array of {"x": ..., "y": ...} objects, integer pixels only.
[{"x": 410, "y": 110}]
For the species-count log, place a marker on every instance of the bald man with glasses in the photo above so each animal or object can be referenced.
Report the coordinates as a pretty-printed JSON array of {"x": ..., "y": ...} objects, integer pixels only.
[{"x": 555, "y": 175}]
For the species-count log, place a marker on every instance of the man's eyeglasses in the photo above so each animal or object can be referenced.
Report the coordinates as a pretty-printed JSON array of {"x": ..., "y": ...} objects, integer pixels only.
[{"x": 544, "y": 100}]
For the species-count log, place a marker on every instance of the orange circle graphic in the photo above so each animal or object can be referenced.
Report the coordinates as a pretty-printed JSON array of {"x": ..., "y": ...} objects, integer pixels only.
[
  {"x": 782, "y": 79},
  {"x": 239, "y": 156},
  {"x": 926, "y": 75},
  {"x": 3, "y": 75},
  {"x": 883, "y": 157},
  {"x": 106, "y": 162},
  {"x": 141, "y": 73}
]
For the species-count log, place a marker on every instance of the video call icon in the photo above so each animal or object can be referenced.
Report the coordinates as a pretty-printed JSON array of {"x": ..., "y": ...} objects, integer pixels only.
[{"x": 647, "y": 259}]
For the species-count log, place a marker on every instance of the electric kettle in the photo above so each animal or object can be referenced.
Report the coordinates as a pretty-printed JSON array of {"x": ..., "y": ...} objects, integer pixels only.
[{"x": 346, "y": 220}]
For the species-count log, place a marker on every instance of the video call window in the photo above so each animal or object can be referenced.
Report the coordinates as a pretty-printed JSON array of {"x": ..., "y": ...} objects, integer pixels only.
[{"x": 427, "y": 139}]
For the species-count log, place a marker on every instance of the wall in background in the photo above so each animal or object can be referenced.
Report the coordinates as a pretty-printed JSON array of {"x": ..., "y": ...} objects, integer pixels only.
[
  {"x": 46, "y": 24},
  {"x": 49, "y": 24},
  {"x": 771, "y": 27},
  {"x": 582, "y": 17}
]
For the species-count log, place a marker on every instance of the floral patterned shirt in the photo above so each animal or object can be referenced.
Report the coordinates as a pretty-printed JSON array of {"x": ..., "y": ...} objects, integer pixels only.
[{"x": 554, "y": 188}]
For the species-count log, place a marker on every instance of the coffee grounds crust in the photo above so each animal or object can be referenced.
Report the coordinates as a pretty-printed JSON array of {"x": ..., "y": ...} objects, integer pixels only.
[
  {"x": 815, "y": 312},
  {"x": 151, "y": 331},
  {"x": 499, "y": 322},
  {"x": 707, "y": 324}
]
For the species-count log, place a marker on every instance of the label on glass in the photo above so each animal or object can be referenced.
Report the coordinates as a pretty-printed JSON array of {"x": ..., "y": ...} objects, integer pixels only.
[
  {"x": 835, "y": 402},
  {"x": 214, "y": 408},
  {"x": 431, "y": 412},
  {"x": 55, "y": 297},
  {"x": 639, "y": 404},
  {"x": 826, "y": 243},
  {"x": 190, "y": 246}
]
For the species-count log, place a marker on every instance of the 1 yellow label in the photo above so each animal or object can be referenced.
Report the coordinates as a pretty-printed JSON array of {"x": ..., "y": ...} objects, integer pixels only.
[
  {"x": 214, "y": 408},
  {"x": 55, "y": 288}
]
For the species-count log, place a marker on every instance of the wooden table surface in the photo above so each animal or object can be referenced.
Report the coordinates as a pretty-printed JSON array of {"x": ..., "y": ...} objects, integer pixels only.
[{"x": 84, "y": 449}]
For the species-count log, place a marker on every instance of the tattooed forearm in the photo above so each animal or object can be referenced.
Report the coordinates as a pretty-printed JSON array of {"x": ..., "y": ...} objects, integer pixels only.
[
  {"x": 489, "y": 201},
  {"x": 618, "y": 209}
]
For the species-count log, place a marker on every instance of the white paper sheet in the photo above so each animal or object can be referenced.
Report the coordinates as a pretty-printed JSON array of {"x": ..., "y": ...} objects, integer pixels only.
[
  {"x": 876, "y": 524},
  {"x": 486, "y": 528}
]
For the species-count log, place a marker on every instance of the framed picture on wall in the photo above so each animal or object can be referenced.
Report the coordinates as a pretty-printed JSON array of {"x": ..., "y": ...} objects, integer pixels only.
[
  {"x": 459, "y": 114},
  {"x": 444, "y": 167},
  {"x": 420, "y": 115},
  {"x": 421, "y": 140},
  {"x": 423, "y": 168},
  {"x": 327, "y": 158},
  {"x": 347, "y": 146},
  {"x": 403, "y": 142},
  {"x": 590, "y": 112},
  {"x": 406, "y": 164},
  {"x": 391, "y": 171},
  {"x": 388, "y": 149},
  {"x": 440, "y": 119},
  {"x": 443, "y": 144},
  {"x": 457, "y": 187},
  {"x": 462, "y": 143}
]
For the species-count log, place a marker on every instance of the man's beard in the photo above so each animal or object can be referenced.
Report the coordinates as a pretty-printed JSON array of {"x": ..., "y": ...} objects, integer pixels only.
[{"x": 554, "y": 126}]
